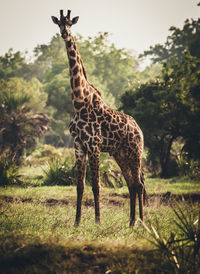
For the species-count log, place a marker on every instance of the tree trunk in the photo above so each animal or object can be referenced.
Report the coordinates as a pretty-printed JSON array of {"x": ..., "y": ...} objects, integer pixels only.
[{"x": 165, "y": 157}]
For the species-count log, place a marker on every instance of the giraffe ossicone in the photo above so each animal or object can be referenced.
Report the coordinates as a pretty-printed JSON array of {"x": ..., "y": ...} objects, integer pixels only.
[{"x": 95, "y": 128}]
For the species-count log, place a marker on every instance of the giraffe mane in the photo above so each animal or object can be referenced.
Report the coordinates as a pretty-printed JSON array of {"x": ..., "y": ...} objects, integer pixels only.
[
  {"x": 95, "y": 89},
  {"x": 84, "y": 72}
]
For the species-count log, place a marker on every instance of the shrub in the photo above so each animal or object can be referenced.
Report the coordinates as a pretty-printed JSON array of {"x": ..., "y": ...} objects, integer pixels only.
[
  {"x": 8, "y": 172},
  {"x": 59, "y": 173},
  {"x": 189, "y": 168},
  {"x": 110, "y": 172},
  {"x": 47, "y": 153},
  {"x": 64, "y": 172}
]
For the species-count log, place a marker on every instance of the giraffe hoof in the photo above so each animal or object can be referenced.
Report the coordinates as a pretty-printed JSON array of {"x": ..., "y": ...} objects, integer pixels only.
[
  {"x": 76, "y": 224},
  {"x": 97, "y": 221}
]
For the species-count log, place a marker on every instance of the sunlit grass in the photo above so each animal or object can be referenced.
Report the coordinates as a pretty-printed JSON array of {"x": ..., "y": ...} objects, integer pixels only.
[
  {"x": 52, "y": 210},
  {"x": 174, "y": 185}
]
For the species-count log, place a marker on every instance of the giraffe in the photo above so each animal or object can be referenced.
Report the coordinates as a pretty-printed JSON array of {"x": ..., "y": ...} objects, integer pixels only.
[{"x": 95, "y": 128}]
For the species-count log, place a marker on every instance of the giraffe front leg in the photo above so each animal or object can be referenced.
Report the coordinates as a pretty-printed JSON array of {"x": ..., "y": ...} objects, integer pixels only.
[
  {"x": 132, "y": 193},
  {"x": 94, "y": 166},
  {"x": 81, "y": 172}
]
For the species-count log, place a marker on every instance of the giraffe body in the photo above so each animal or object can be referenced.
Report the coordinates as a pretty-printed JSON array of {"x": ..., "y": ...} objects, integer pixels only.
[{"x": 96, "y": 128}]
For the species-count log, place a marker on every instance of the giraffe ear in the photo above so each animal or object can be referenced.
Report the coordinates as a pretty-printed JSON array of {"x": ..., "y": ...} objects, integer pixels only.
[
  {"x": 75, "y": 20},
  {"x": 55, "y": 20}
]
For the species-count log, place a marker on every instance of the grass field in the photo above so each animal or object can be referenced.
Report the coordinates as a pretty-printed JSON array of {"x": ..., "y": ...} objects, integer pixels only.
[{"x": 37, "y": 234}]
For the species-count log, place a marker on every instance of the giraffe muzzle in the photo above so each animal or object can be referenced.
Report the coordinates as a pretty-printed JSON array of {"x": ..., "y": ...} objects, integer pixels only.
[{"x": 64, "y": 35}]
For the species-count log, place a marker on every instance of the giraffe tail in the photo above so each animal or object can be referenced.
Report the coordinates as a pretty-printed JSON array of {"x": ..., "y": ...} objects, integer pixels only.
[{"x": 145, "y": 196}]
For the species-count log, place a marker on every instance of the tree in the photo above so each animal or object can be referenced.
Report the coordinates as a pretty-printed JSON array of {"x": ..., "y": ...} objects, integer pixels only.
[
  {"x": 148, "y": 105},
  {"x": 19, "y": 125},
  {"x": 167, "y": 109},
  {"x": 14, "y": 64},
  {"x": 184, "y": 79},
  {"x": 114, "y": 67},
  {"x": 32, "y": 89},
  {"x": 178, "y": 43},
  {"x": 174, "y": 102},
  {"x": 109, "y": 68}
]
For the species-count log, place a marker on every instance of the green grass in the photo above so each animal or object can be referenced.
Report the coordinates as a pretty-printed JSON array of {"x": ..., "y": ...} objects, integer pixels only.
[
  {"x": 37, "y": 234},
  {"x": 175, "y": 185}
]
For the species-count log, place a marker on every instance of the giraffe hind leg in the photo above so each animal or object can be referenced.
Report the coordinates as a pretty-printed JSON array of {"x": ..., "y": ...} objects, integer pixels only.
[
  {"x": 131, "y": 170},
  {"x": 132, "y": 193},
  {"x": 125, "y": 167},
  {"x": 139, "y": 185}
]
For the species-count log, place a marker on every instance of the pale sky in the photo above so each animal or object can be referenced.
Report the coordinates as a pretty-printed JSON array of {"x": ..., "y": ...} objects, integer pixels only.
[{"x": 134, "y": 24}]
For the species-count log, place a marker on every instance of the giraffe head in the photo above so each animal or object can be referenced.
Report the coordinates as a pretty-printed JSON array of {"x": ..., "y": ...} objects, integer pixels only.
[{"x": 65, "y": 23}]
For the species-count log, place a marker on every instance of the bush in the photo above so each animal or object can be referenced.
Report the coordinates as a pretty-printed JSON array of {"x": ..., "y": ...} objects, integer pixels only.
[
  {"x": 110, "y": 172},
  {"x": 47, "y": 153},
  {"x": 189, "y": 168},
  {"x": 59, "y": 173},
  {"x": 8, "y": 172},
  {"x": 64, "y": 172}
]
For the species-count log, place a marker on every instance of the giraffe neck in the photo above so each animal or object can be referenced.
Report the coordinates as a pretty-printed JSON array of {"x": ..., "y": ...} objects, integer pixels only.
[{"x": 78, "y": 76}]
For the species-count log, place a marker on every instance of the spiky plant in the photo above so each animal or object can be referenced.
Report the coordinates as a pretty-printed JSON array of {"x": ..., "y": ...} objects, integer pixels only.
[{"x": 183, "y": 247}]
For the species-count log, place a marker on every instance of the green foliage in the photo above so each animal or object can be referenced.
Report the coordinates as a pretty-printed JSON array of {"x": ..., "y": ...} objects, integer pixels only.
[
  {"x": 19, "y": 125},
  {"x": 45, "y": 79},
  {"x": 59, "y": 99},
  {"x": 50, "y": 59},
  {"x": 178, "y": 43},
  {"x": 114, "y": 68},
  {"x": 189, "y": 168},
  {"x": 29, "y": 93},
  {"x": 148, "y": 105},
  {"x": 13, "y": 65},
  {"x": 64, "y": 172},
  {"x": 183, "y": 80},
  {"x": 47, "y": 153},
  {"x": 168, "y": 109},
  {"x": 8, "y": 172},
  {"x": 110, "y": 174},
  {"x": 59, "y": 173}
]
